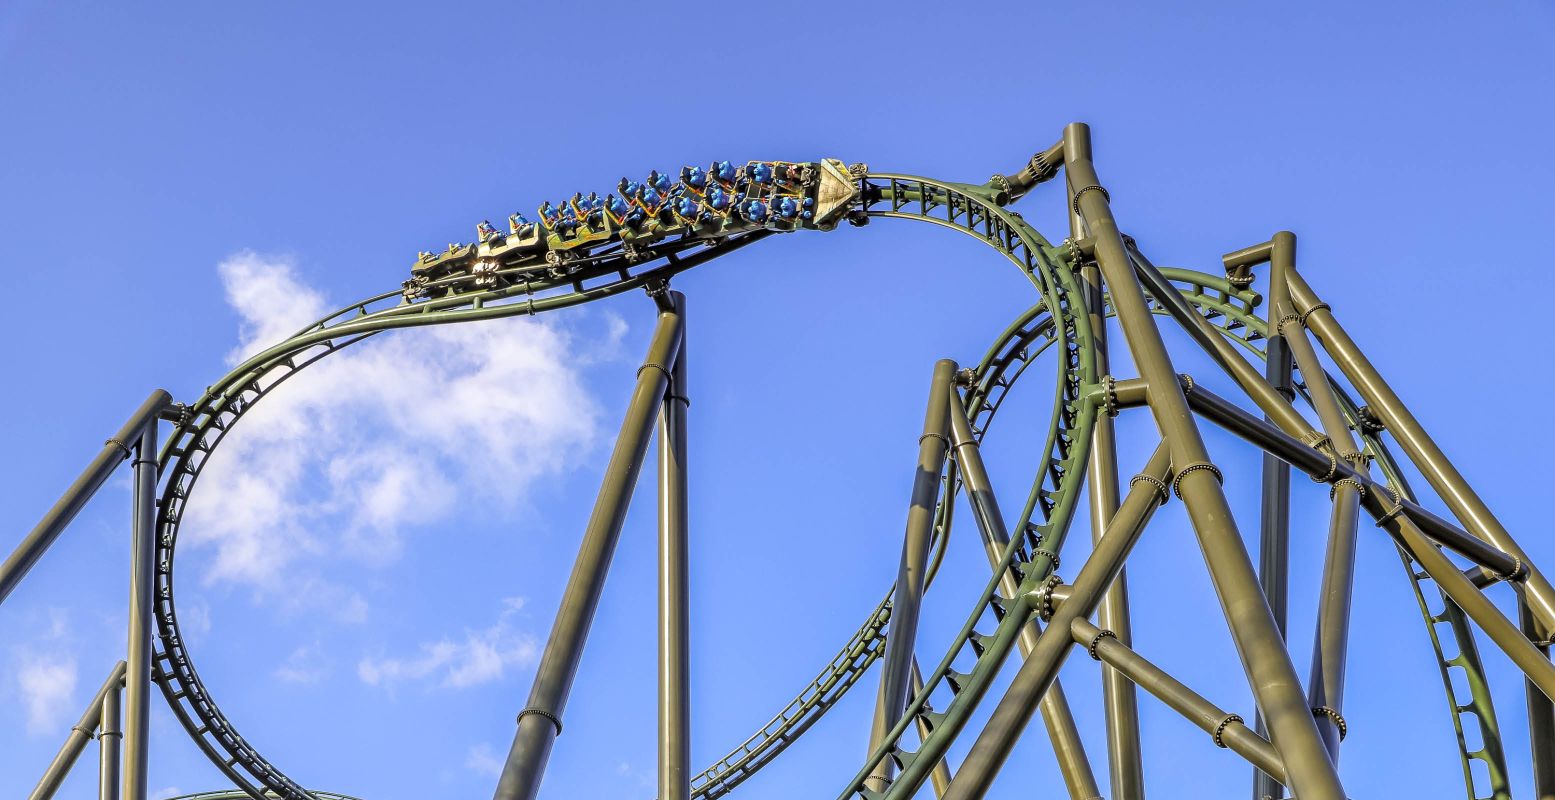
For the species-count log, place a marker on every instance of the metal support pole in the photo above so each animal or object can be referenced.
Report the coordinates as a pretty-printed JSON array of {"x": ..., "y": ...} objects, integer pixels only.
[
  {"x": 1062, "y": 731},
  {"x": 1037, "y": 672},
  {"x": 1465, "y": 504},
  {"x": 540, "y": 721},
  {"x": 940, "y": 777},
  {"x": 114, "y": 451},
  {"x": 1260, "y": 391},
  {"x": 110, "y": 740},
  {"x": 1228, "y": 729},
  {"x": 80, "y": 734},
  {"x": 1264, "y": 657},
  {"x": 897, "y": 663},
  {"x": 1541, "y": 716},
  {"x": 674, "y": 578},
  {"x": 1119, "y": 702},
  {"x": 1274, "y": 535},
  {"x": 1325, "y": 687},
  {"x": 137, "y": 674}
]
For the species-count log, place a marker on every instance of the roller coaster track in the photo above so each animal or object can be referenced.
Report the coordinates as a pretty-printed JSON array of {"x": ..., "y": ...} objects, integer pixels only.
[{"x": 588, "y": 249}]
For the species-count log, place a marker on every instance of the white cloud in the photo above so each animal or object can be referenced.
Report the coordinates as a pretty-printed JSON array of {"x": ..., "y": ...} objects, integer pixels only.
[
  {"x": 477, "y": 657},
  {"x": 380, "y": 438},
  {"x": 483, "y": 761},
  {"x": 306, "y": 665},
  {"x": 48, "y": 682},
  {"x": 46, "y": 677}
]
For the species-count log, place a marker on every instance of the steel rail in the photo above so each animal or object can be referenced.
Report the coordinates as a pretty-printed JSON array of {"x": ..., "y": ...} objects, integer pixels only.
[
  {"x": 225, "y": 402},
  {"x": 1241, "y": 325}
]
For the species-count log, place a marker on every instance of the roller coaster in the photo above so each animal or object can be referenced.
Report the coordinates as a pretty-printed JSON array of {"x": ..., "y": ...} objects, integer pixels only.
[{"x": 1095, "y": 291}]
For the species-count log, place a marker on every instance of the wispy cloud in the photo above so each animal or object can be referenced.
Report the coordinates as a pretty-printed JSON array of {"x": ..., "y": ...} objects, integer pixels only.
[
  {"x": 46, "y": 677},
  {"x": 379, "y": 439},
  {"x": 306, "y": 665},
  {"x": 456, "y": 662},
  {"x": 482, "y": 761}
]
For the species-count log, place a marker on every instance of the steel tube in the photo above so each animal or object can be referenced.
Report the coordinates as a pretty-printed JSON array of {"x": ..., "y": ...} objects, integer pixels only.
[
  {"x": 1273, "y": 677},
  {"x": 1268, "y": 399},
  {"x": 1119, "y": 702},
  {"x": 674, "y": 580},
  {"x": 939, "y": 778},
  {"x": 1236, "y": 736},
  {"x": 110, "y": 739},
  {"x": 80, "y": 734},
  {"x": 1301, "y": 456},
  {"x": 1068, "y": 748},
  {"x": 1037, "y": 673},
  {"x": 902, "y": 633},
  {"x": 540, "y": 721},
  {"x": 1274, "y": 534},
  {"x": 1450, "y": 484},
  {"x": 1541, "y": 716},
  {"x": 1325, "y": 686},
  {"x": 137, "y": 672},
  {"x": 114, "y": 451}
]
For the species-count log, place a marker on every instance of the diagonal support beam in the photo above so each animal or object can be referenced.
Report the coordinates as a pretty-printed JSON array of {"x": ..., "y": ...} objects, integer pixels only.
[
  {"x": 1062, "y": 731},
  {"x": 896, "y": 666},
  {"x": 80, "y": 734},
  {"x": 1258, "y": 641},
  {"x": 540, "y": 722},
  {"x": 115, "y": 451},
  {"x": 1037, "y": 673},
  {"x": 1450, "y": 484},
  {"x": 1228, "y": 730}
]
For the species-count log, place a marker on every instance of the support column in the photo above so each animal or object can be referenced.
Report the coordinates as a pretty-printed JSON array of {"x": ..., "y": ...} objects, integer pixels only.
[
  {"x": 1450, "y": 484},
  {"x": 1062, "y": 731},
  {"x": 674, "y": 581},
  {"x": 1264, "y": 658},
  {"x": 137, "y": 674},
  {"x": 1541, "y": 715},
  {"x": 109, "y": 740},
  {"x": 1037, "y": 672},
  {"x": 1227, "y": 730},
  {"x": 80, "y": 734},
  {"x": 896, "y": 666},
  {"x": 114, "y": 452},
  {"x": 940, "y": 777},
  {"x": 1274, "y": 534},
  {"x": 1119, "y": 701},
  {"x": 1330, "y": 648},
  {"x": 540, "y": 722}
]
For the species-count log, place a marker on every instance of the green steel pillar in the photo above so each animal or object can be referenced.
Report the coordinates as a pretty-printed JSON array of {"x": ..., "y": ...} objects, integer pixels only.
[
  {"x": 75, "y": 743},
  {"x": 114, "y": 452},
  {"x": 540, "y": 722},
  {"x": 1257, "y": 637},
  {"x": 896, "y": 666},
  {"x": 1062, "y": 731},
  {"x": 674, "y": 575},
  {"x": 137, "y": 674},
  {"x": 110, "y": 737},
  {"x": 1037, "y": 673}
]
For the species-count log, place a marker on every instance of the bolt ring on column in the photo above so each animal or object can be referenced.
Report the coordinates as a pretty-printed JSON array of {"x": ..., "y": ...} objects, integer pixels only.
[
  {"x": 1194, "y": 467},
  {"x": 1220, "y": 730},
  {"x": 1160, "y": 486},
  {"x": 555, "y": 720}
]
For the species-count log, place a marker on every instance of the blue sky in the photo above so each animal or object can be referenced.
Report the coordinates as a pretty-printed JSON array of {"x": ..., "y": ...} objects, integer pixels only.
[{"x": 377, "y": 569}]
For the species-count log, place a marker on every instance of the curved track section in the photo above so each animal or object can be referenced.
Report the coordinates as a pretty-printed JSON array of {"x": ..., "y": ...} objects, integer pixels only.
[
  {"x": 504, "y": 276},
  {"x": 520, "y": 289}
]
